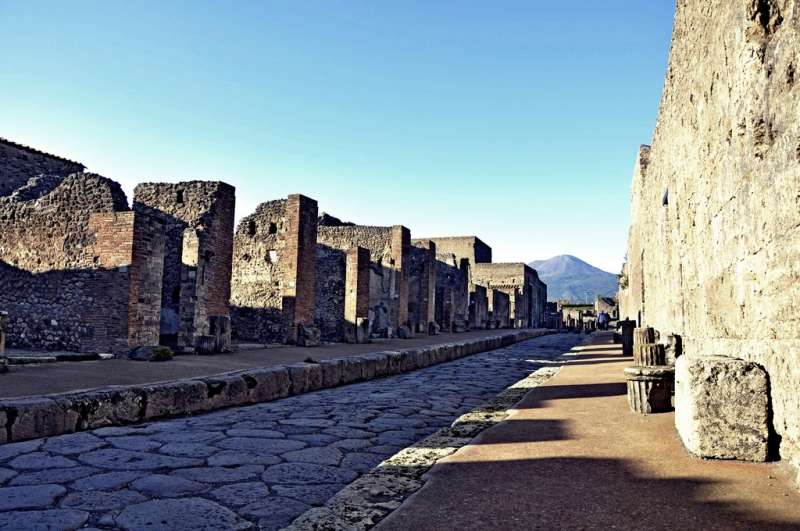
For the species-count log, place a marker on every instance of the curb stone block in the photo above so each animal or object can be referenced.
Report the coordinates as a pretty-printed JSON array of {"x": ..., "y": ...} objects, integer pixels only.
[
  {"x": 395, "y": 361},
  {"x": 108, "y": 407},
  {"x": 271, "y": 383},
  {"x": 422, "y": 358},
  {"x": 3, "y": 422},
  {"x": 381, "y": 363},
  {"x": 41, "y": 417},
  {"x": 304, "y": 377},
  {"x": 228, "y": 390},
  {"x": 351, "y": 370},
  {"x": 331, "y": 372},
  {"x": 176, "y": 398},
  {"x": 368, "y": 367}
]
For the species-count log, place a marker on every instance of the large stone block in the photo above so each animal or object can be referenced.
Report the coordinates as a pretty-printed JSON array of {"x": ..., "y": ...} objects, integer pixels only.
[
  {"x": 40, "y": 417},
  {"x": 175, "y": 398},
  {"x": 304, "y": 377},
  {"x": 226, "y": 390},
  {"x": 722, "y": 407},
  {"x": 108, "y": 407},
  {"x": 331, "y": 372},
  {"x": 3, "y": 421},
  {"x": 271, "y": 383}
]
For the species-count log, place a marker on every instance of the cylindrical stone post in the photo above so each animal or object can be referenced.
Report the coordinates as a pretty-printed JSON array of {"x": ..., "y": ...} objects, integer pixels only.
[
  {"x": 644, "y": 336},
  {"x": 649, "y": 355},
  {"x": 626, "y": 331},
  {"x": 650, "y": 389}
]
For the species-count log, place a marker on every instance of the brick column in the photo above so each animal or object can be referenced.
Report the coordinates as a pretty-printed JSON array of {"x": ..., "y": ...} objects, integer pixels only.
[
  {"x": 401, "y": 242},
  {"x": 356, "y": 295},
  {"x": 300, "y": 255},
  {"x": 427, "y": 288}
]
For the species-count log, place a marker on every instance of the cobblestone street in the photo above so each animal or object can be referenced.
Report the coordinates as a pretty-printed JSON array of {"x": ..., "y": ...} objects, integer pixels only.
[{"x": 248, "y": 467}]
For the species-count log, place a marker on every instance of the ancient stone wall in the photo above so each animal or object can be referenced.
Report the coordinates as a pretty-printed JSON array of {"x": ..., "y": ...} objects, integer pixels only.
[
  {"x": 469, "y": 247},
  {"x": 19, "y": 163},
  {"x": 478, "y": 308},
  {"x": 389, "y": 248},
  {"x": 274, "y": 271},
  {"x": 714, "y": 246},
  {"x": 198, "y": 219},
  {"x": 74, "y": 264},
  {"x": 422, "y": 286},
  {"x": 528, "y": 305},
  {"x": 452, "y": 292},
  {"x": 499, "y": 304}
]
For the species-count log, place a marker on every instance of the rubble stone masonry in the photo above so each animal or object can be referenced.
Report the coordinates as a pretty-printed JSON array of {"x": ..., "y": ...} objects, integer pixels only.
[
  {"x": 198, "y": 219},
  {"x": 19, "y": 163},
  {"x": 274, "y": 271},
  {"x": 714, "y": 245}
]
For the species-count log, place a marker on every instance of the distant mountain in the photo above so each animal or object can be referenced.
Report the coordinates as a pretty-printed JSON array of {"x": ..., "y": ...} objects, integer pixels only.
[{"x": 568, "y": 277}]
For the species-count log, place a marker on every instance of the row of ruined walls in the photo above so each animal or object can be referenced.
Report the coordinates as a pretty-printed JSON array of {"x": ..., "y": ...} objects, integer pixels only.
[
  {"x": 81, "y": 271},
  {"x": 527, "y": 294},
  {"x": 714, "y": 245}
]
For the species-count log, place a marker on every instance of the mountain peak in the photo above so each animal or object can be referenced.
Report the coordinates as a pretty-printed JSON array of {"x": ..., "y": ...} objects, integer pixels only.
[{"x": 569, "y": 277}]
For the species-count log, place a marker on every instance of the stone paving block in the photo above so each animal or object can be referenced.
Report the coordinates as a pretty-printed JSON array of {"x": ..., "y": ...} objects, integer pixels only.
[
  {"x": 184, "y": 513},
  {"x": 241, "y": 493},
  {"x": 53, "y": 475},
  {"x": 101, "y": 501},
  {"x": 274, "y": 512},
  {"x": 164, "y": 486},
  {"x": 29, "y": 497},
  {"x": 40, "y": 417},
  {"x": 175, "y": 398},
  {"x": 72, "y": 444},
  {"x": 722, "y": 407},
  {"x": 56, "y": 519},
  {"x": 305, "y": 473}
]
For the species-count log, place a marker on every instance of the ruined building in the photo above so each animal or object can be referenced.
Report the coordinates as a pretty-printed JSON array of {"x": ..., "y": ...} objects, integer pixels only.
[
  {"x": 76, "y": 264},
  {"x": 388, "y": 280},
  {"x": 196, "y": 285},
  {"x": 714, "y": 245},
  {"x": 527, "y": 294},
  {"x": 274, "y": 272}
]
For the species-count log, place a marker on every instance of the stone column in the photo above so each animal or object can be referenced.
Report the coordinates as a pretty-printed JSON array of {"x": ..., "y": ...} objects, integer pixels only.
[
  {"x": 650, "y": 381},
  {"x": 626, "y": 331},
  {"x": 301, "y": 257},
  {"x": 401, "y": 242},
  {"x": 356, "y": 295}
]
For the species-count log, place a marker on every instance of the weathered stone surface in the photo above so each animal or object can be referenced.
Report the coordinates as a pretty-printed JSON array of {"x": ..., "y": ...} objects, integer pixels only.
[
  {"x": 76, "y": 443},
  {"x": 241, "y": 493},
  {"x": 331, "y": 372},
  {"x": 261, "y": 446},
  {"x": 60, "y": 519},
  {"x": 40, "y": 417},
  {"x": 101, "y": 501},
  {"x": 714, "y": 251},
  {"x": 303, "y": 473},
  {"x": 107, "y": 481},
  {"x": 38, "y": 460},
  {"x": 221, "y": 474},
  {"x": 10, "y": 450},
  {"x": 136, "y": 443},
  {"x": 274, "y": 512},
  {"x": 225, "y": 391},
  {"x": 164, "y": 486},
  {"x": 53, "y": 475},
  {"x": 721, "y": 407},
  {"x": 320, "y": 456},
  {"x": 3, "y": 422},
  {"x": 177, "y": 398},
  {"x": 128, "y": 460},
  {"x": 29, "y": 497},
  {"x": 181, "y": 514},
  {"x": 650, "y": 388},
  {"x": 304, "y": 377}
]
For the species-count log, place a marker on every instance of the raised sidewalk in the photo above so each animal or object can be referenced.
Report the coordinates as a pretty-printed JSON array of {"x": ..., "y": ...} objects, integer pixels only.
[
  {"x": 72, "y": 396},
  {"x": 572, "y": 456}
]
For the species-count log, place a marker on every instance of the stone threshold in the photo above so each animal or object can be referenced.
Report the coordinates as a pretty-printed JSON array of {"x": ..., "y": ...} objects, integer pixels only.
[
  {"x": 48, "y": 415},
  {"x": 369, "y": 499}
]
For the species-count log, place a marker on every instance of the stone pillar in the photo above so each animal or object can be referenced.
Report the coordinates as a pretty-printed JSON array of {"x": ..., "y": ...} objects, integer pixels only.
[
  {"x": 427, "y": 298},
  {"x": 300, "y": 263},
  {"x": 401, "y": 242},
  {"x": 626, "y": 331},
  {"x": 3, "y": 360},
  {"x": 356, "y": 295}
]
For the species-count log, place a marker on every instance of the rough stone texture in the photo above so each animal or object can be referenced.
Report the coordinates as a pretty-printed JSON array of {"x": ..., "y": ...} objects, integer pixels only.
[
  {"x": 263, "y": 465},
  {"x": 274, "y": 271},
  {"x": 650, "y": 388},
  {"x": 19, "y": 163},
  {"x": 356, "y": 298},
  {"x": 469, "y": 247},
  {"x": 452, "y": 292},
  {"x": 478, "y": 307},
  {"x": 76, "y": 266},
  {"x": 422, "y": 287},
  {"x": 499, "y": 306},
  {"x": 714, "y": 248},
  {"x": 721, "y": 407},
  {"x": 527, "y": 294},
  {"x": 389, "y": 249},
  {"x": 196, "y": 281}
]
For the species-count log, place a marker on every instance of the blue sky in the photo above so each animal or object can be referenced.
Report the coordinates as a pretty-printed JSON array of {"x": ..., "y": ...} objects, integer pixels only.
[{"x": 515, "y": 121}]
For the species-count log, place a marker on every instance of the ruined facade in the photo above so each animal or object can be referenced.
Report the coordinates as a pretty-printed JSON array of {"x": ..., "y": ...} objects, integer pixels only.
[
  {"x": 451, "y": 308},
  {"x": 77, "y": 266},
  {"x": 19, "y": 163},
  {"x": 195, "y": 290},
  {"x": 499, "y": 306},
  {"x": 422, "y": 287},
  {"x": 390, "y": 250},
  {"x": 274, "y": 271},
  {"x": 469, "y": 247},
  {"x": 527, "y": 294},
  {"x": 714, "y": 248}
]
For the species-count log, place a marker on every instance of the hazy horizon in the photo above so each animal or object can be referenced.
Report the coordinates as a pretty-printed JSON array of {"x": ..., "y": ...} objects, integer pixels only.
[{"x": 517, "y": 123}]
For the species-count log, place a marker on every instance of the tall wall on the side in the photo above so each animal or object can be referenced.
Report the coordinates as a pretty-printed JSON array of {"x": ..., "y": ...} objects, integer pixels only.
[
  {"x": 452, "y": 292},
  {"x": 469, "y": 247},
  {"x": 422, "y": 286},
  {"x": 19, "y": 163},
  {"x": 198, "y": 219},
  {"x": 714, "y": 245},
  {"x": 76, "y": 266},
  {"x": 389, "y": 249},
  {"x": 274, "y": 271}
]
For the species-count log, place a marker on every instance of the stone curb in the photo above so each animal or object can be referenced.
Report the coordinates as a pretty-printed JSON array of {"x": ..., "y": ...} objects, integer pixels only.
[
  {"x": 372, "y": 497},
  {"x": 48, "y": 415}
]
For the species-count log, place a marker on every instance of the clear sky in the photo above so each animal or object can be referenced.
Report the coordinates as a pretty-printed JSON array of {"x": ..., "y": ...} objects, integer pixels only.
[{"x": 514, "y": 121}]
